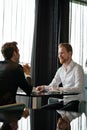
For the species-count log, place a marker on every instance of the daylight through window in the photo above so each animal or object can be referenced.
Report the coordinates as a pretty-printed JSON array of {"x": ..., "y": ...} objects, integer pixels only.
[{"x": 17, "y": 24}]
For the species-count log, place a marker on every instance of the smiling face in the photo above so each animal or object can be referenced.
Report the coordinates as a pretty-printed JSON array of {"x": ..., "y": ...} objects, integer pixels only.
[{"x": 64, "y": 55}]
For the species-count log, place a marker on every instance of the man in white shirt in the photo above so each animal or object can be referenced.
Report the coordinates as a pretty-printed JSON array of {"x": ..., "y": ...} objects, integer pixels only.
[{"x": 70, "y": 74}]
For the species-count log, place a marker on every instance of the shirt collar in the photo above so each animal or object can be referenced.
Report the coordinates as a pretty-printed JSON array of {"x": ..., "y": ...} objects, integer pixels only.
[{"x": 70, "y": 66}]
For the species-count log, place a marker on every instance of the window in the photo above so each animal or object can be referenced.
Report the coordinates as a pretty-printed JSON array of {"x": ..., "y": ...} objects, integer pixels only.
[
  {"x": 17, "y": 24},
  {"x": 78, "y": 32}
]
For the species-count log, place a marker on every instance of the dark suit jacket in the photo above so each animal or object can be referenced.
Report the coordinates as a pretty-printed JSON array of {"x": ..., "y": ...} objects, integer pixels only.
[{"x": 11, "y": 77}]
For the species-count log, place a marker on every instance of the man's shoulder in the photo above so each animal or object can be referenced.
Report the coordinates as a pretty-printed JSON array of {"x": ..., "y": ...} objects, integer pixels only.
[
  {"x": 9, "y": 65},
  {"x": 78, "y": 67},
  {"x": 77, "y": 64}
]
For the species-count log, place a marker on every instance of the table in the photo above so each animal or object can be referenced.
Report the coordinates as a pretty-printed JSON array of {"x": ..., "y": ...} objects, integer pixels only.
[
  {"x": 38, "y": 99},
  {"x": 43, "y": 119}
]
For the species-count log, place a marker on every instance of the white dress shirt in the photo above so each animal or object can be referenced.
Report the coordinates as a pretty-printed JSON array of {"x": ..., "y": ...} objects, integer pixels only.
[{"x": 72, "y": 80}]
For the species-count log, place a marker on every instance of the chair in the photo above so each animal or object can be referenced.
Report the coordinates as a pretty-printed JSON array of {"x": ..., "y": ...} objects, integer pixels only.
[
  {"x": 83, "y": 107},
  {"x": 9, "y": 113}
]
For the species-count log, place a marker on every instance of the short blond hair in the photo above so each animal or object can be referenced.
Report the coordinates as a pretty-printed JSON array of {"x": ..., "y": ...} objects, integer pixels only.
[{"x": 67, "y": 46}]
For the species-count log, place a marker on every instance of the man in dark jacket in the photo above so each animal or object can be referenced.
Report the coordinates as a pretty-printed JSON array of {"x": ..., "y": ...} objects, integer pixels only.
[{"x": 12, "y": 74}]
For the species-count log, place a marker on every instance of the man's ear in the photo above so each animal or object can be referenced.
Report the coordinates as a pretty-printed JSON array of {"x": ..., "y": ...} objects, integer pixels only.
[
  {"x": 70, "y": 53},
  {"x": 14, "y": 53}
]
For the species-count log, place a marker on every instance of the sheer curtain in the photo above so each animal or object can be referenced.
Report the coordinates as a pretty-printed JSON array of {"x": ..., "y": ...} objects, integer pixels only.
[
  {"x": 78, "y": 32},
  {"x": 78, "y": 40},
  {"x": 17, "y": 24}
]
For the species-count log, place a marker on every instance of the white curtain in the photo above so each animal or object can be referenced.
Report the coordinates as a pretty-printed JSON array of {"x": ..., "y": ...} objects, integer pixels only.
[
  {"x": 79, "y": 123},
  {"x": 17, "y": 24},
  {"x": 78, "y": 40},
  {"x": 78, "y": 32}
]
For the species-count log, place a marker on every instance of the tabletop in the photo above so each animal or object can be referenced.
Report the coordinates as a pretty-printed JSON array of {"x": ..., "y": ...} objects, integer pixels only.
[
  {"x": 46, "y": 93},
  {"x": 37, "y": 98},
  {"x": 51, "y": 93}
]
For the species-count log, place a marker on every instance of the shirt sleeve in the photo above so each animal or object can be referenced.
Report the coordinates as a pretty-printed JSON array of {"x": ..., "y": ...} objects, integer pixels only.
[
  {"x": 56, "y": 80},
  {"x": 24, "y": 83}
]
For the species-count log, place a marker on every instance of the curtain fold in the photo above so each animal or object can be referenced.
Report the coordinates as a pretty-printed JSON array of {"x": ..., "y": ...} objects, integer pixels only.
[
  {"x": 78, "y": 31},
  {"x": 51, "y": 28},
  {"x": 17, "y": 24}
]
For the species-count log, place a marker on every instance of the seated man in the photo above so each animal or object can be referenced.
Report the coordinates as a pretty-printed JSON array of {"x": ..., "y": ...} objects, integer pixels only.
[
  {"x": 12, "y": 74},
  {"x": 71, "y": 75}
]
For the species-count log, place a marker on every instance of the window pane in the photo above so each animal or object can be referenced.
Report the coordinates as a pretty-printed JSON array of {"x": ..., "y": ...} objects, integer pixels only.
[
  {"x": 78, "y": 32},
  {"x": 17, "y": 24}
]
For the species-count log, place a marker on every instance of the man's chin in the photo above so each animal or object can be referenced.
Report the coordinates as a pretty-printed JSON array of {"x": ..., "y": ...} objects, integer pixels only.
[{"x": 61, "y": 61}]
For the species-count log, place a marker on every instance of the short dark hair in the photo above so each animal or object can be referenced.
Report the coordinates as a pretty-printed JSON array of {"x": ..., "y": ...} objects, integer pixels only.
[
  {"x": 8, "y": 48},
  {"x": 67, "y": 46}
]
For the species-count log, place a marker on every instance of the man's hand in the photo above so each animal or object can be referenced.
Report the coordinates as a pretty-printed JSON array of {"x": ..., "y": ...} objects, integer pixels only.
[
  {"x": 26, "y": 68},
  {"x": 26, "y": 113},
  {"x": 54, "y": 88},
  {"x": 40, "y": 88}
]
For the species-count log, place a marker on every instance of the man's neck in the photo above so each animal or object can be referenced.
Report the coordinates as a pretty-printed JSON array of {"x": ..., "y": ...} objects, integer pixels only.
[
  {"x": 13, "y": 60},
  {"x": 67, "y": 63}
]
